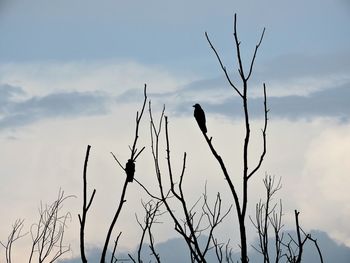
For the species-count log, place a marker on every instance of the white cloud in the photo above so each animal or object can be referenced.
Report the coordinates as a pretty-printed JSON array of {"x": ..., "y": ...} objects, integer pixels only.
[
  {"x": 50, "y": 154},
  {"x": 325, "y": 181},
  {"x": 114, "y": 77}
]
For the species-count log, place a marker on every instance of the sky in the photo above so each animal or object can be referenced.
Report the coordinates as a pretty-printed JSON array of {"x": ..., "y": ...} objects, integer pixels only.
[{"x": 72, "y": 73}]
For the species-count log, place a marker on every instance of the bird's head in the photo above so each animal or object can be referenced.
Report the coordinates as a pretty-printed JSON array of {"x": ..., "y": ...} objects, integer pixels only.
[{"x": 196, "y": 106}]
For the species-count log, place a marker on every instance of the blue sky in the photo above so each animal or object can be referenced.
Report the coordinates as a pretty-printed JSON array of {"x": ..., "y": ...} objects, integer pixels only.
[
  {"x": 167, "y": 33},
  {"x": 72, "y": 74}
]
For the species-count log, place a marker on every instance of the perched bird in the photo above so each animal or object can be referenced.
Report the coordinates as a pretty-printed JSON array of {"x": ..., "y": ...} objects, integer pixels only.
[
  {"x": 130, "y": 170},
  {"x": 200, "y": 117}
]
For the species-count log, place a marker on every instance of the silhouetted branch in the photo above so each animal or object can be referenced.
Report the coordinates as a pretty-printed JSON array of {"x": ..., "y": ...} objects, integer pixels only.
[
  {"x": 255, "y": 51},
  {"x": 266, "y": 110},
  {"x": 129, "y": 169},
  {"x": 222, "y": 66},
  {"x": 276, "y": 222},
  {"x": 114, "y": 220},
  {"x": 116, "y": 159},
  {"x": 239, "y": 58},
  {"x": 152, "y": 212},
  {"x": 224, "y": 170},
  {"x": 144, "y": 230},
  {"x": 48, "y": 233},
  {"x": 86, "y": 206},
  {"x": 194, "y": 223},
  {"x": 265, "y": 213},
  {"x": 155, "y": 131},
  {"x": 146, "y": 190},
  {"x": 300, "y": 242},
  {"x": 12, "y": 238},
  {"x": 213, "y": 216},
  {"x": 316, "y": 245},
  {"x": 218, "y": 249},
  {"x": 113, "y": 257},
  {"x": 192, "y": 239},
  {"x": 241, "y": 207},
  {"x": 295, "y": 248},
  {"x": 132, "y": 259},
  {"x": 134, "y": 153},
  {"x": 228, "y": 253}
]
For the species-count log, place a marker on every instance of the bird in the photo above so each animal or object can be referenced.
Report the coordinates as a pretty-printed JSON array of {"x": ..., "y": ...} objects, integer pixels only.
[
  {"x": 130, "y": 170},
  {"x": 199, "y": 115}
]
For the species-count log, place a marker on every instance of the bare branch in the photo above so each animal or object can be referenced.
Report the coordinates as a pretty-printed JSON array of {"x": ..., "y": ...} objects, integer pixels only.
[
  {"x": 264, "y": 137},
  {"x": 47, "y": 234},
  {"x": 238, "y": 43},
  {"x": 317, "y": 246},
  {"x": 224, "y": 170},
  {"x": 113, "y": 257},
  {"x": 12, "y": 238},
  {"x": 114, "y": 220},
  {"x": 255, "y": 51},
  {"x": 138, "y": 119},
  {"x": 129, "y": 170},
  {"x": 86, "y": 206},
  {"x": 222, "y": 66},
  {"x": 116, "y": 159},
  {"x": 266, "y": 214}
]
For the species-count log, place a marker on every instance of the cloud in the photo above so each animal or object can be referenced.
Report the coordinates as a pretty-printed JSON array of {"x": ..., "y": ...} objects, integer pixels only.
[
  {"x": 325, "y": 103},
  {"x": 331, "y": 103},
  {"x": 16, "y": 113},
  {"x": 215, "y": 99},
  {"x": 325, "y": 171},
  {"x": 7, "y": 92},
  {"x": 31, "y": 92},
  {"x": 298, "y": 87}
]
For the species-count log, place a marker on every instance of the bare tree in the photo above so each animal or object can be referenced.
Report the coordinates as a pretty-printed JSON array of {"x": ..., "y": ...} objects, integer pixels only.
[
  {"x": 266, "y": 214},
  {"x": 269, "y": 214},
  {"x": 47, "y": 235},
  {"x": 194, "y": 221},
  {"x": 129, "y": 170},
  {"x": 241, "y": 206},
  {"x": 191, "y": 223}
]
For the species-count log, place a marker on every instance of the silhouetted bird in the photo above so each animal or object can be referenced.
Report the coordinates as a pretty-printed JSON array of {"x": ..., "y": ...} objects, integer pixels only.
[
  {"x": 200, "y": 117},
  {"x": 130, "y": 170}
]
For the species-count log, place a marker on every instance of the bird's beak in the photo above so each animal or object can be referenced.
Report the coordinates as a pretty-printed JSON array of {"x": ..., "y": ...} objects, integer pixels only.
[{"x": 192, "y": 105}]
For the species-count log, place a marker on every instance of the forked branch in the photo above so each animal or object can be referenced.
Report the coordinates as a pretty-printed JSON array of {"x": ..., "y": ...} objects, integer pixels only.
[
  {"x": 241, "y": 206},
  {"x": 16, "y": 233},
  {"x": 129, "y": 169}
]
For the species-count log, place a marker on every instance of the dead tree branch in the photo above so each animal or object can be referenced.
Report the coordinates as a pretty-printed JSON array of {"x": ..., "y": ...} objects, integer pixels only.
[
  {"x": 113, "y": 256},
  {"x": 130, "y": 171},
  {"x": 241, "y": 207},
  {"x": 86, "y": 206},
  {"x": 152, "y": 212},
  {"x": 266, "y": 214},
  {"x": 16, "y": 233},
  {"x": 193, "y": 224},
  {"x": 47, "y": 234},
  {"x": 294, "y": 255}
]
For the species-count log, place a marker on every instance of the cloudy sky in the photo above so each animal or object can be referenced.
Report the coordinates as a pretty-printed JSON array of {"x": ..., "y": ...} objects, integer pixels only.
[{"x": 72, "y": 74}]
